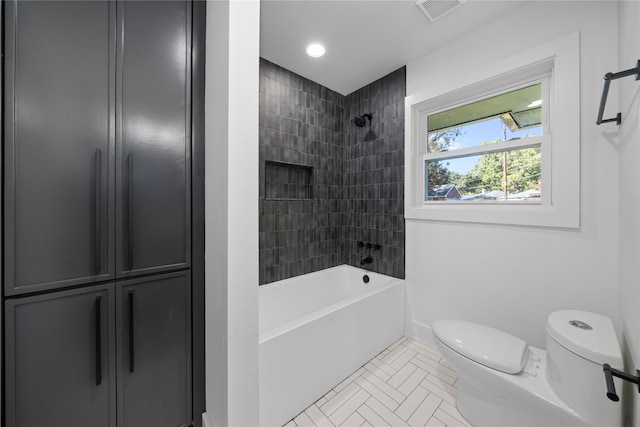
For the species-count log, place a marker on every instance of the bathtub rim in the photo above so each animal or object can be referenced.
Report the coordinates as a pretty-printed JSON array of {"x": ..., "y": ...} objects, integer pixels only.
[
  {"x": 323, "y": 271},
  {"x": 274, "y": 332}
]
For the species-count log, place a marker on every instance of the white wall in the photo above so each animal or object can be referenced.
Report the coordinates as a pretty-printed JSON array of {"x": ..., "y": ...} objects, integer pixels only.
[
  {"x": 231, "y": 240},
  {"x": 512, "y": 277},
  {"x": 629, "y": 149}
]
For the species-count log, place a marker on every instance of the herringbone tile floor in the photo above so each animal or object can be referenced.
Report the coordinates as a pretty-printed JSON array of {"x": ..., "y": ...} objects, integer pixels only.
[{"x": 407, "y": 384}]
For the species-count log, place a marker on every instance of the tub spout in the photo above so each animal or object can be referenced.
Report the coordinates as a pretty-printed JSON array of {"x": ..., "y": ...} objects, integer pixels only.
[{"x": 367, "y": 260}]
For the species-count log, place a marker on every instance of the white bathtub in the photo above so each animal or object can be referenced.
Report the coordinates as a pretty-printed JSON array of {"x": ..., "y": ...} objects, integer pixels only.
[{"x": 316, "y": 329}]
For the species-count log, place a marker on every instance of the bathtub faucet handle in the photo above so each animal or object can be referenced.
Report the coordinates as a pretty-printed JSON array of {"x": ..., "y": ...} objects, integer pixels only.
[{"x": 367, "y": 260}]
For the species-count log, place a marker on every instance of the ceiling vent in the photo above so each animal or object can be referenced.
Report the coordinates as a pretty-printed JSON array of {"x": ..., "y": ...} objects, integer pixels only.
[{"x": 435, "y": 9}]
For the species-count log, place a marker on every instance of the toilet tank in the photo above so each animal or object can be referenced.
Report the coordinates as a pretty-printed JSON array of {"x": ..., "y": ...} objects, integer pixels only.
[{"x": 578, "y": 344}]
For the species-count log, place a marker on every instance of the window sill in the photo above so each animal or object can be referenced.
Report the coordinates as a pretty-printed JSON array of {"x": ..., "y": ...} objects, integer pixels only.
[{"x": 518, "y": 213}]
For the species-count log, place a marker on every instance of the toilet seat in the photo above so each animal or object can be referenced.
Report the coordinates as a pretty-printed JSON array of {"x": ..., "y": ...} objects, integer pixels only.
[{"x": 487, "y": 346}]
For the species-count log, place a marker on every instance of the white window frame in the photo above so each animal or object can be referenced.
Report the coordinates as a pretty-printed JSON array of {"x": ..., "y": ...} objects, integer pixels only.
[{"x": 558, "y": 62}]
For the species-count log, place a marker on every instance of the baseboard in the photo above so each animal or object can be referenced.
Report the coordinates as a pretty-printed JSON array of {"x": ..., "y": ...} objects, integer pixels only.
[
  {"x": 419, "y": 332},
  {"x": 205, "y": 420}
]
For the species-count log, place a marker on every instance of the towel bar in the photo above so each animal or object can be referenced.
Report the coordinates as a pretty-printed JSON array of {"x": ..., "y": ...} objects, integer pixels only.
[{"x": 605, "y": 91}]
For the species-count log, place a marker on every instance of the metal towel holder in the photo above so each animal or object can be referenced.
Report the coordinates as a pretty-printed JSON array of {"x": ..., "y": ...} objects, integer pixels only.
[
  {"x": 610, "y": 372},
  {"x": 605, "y": 91}
]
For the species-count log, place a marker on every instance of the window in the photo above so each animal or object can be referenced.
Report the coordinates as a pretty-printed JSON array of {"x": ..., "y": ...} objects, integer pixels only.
[
  {"x": 503, "y": 148},
  {"x": 488, "y": 150}
]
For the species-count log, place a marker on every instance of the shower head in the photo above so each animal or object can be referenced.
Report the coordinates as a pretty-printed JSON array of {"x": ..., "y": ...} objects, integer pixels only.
[{"x": 360, "y": 121}]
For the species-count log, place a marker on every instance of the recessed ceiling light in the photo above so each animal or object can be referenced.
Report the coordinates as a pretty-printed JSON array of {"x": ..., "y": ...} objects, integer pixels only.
[
  {"x": 536, "y": 103},
  {"x": 316, "y": 50}
]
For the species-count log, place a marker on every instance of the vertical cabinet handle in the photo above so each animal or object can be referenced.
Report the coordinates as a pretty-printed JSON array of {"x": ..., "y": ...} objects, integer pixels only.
[
  {"x": 130, "y": 213},
  {"x": 98, "y": 323},
  {"x": 98, "y": 220},
  {"x": 131, "y": 328}
]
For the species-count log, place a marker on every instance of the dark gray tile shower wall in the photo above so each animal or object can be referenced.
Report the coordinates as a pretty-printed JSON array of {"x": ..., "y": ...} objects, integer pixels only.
[
  {"x": 325, "y": 183},
  {"x": 300, "y": 145},
  {"x": 373, "y": 178}
]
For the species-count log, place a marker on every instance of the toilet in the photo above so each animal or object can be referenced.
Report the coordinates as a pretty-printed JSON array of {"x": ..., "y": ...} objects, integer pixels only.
[{"x": 503, "y": 381}]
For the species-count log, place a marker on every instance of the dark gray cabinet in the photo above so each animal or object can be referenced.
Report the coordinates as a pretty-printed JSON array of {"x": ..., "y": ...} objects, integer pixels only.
[
  {"x": 97, "y": 163},
  {"x": 59, "y": 111},
  {"x": 154, "y": 356},
  {"x": 61, "y": 366},
  {"x": 60, "y": 359},
  {"x": 153, "y": 143},
  {"x": 97, "y": 222}
]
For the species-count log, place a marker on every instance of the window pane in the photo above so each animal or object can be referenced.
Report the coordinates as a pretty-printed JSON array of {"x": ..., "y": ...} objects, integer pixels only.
[
  {"x": 512, "y": 115},
  {"x": 482, "y": 177}
]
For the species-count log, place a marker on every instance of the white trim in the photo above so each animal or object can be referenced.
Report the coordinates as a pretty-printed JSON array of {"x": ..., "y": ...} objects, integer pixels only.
[
  {"x": 560, "y": 161},
  {"x": 419, "y": 332},
  {"x": 205, "y": 420},
  {"x": 533, "y": 141}
]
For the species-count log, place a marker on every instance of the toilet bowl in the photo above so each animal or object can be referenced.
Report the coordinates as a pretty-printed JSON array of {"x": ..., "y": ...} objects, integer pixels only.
[{"x": 505, "y": 382}]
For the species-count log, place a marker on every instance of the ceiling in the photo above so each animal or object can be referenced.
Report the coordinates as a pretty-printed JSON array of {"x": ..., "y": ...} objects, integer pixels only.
[{"x": 365, "y": 39}]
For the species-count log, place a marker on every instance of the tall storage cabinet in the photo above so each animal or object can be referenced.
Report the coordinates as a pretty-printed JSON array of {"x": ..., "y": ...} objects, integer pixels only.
[
  {"x": 153, "y": 162},
  {"x": 97, "y": 240},
  {"x": 59, "y": 142}
]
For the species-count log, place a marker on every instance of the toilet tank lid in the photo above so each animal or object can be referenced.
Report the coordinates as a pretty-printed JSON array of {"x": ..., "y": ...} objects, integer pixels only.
[
  {"x": 589, "y": 335},
  {"x": 485, "y": 345}
]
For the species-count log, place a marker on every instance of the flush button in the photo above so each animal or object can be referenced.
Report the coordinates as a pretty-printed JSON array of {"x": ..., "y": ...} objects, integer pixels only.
[{"x": 580, "y": 324}]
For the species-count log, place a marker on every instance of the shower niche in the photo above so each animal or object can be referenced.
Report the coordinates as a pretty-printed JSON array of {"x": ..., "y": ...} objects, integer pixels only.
[{"x": 287, "y": 181}]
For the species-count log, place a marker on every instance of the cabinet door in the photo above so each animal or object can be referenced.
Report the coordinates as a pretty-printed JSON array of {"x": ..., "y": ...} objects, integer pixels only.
[
  {"x": 153, "y": 168},
  {"x": 59, "y": 143},
  {"x": 154, "y": 351},
  {"x": 60, "y": 359}
]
